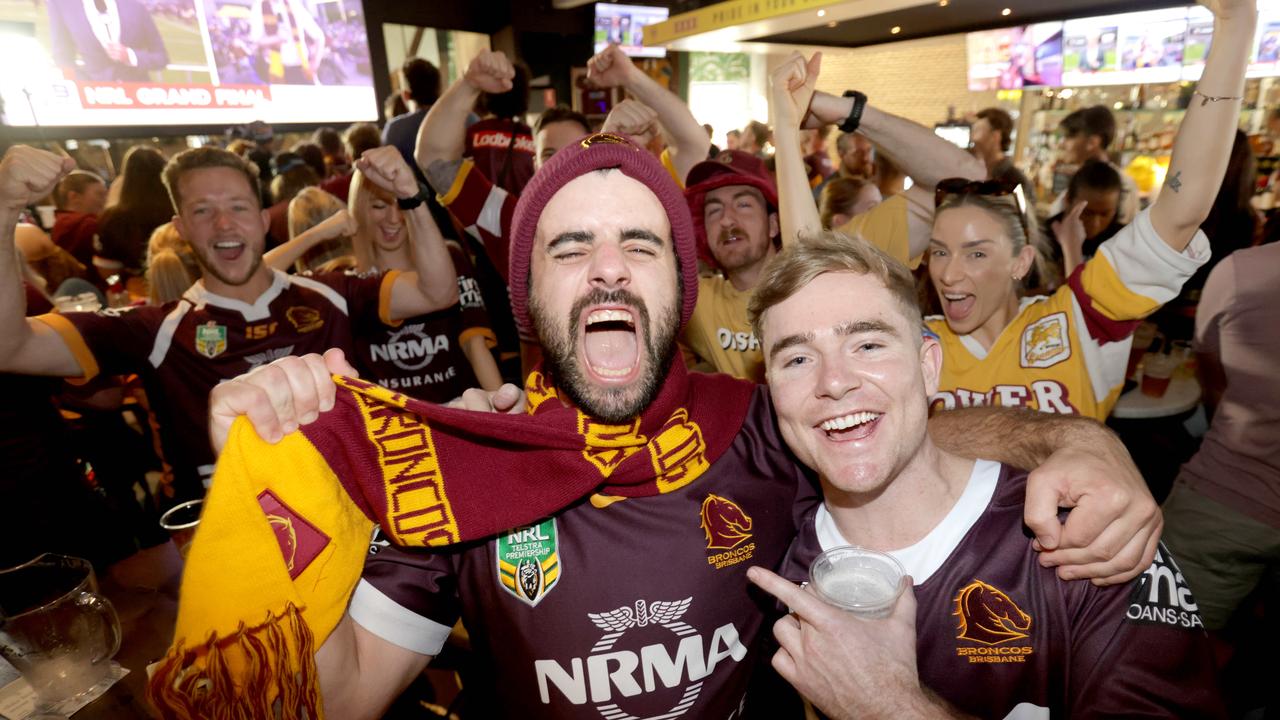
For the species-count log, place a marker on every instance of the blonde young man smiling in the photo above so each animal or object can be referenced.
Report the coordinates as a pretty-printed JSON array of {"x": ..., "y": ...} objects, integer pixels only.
[{"x": 850, "y": 374}]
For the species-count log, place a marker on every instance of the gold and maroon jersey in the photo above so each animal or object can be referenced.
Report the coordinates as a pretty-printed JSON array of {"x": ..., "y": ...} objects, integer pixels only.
[
  {"x": 183, "y": 349},
  {"x": 423, "y": 356},
  {"x": 1066, "y": 352},
  {"x": 999, "y": 636},
  {"x": 612, "y": 608}
]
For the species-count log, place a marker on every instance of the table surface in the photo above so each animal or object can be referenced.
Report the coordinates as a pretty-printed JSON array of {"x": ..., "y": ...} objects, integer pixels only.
[
  {"x": 1183, "y": 395},
  {"x": 144, "y": 590}
]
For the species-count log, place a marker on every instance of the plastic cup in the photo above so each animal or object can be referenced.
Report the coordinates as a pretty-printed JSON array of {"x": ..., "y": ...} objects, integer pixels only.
[
  {"x": 1157, "y": 371},
  {"x": 1143, "y": 336},
  {"x": 181, "y": 521},
  {"x": 864, "y": 582}
]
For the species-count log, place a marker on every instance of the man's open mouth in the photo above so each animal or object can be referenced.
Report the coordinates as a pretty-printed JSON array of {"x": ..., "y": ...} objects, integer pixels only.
[{"x": 611, "y": 343}]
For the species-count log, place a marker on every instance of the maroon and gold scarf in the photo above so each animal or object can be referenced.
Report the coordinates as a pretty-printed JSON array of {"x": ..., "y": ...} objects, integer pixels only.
[{"x": 285, "y": 528}]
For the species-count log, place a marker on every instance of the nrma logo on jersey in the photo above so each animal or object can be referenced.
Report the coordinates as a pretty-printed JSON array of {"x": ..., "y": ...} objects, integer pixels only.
[
  {"x": 626, "y": 684},
  {"x": 409, "y": 348},
  {"x": 1161, "y": 596}
]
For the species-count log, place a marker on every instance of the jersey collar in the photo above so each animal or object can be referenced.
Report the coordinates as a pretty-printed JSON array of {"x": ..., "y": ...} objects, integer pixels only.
[{"x": 199, "y": 296}]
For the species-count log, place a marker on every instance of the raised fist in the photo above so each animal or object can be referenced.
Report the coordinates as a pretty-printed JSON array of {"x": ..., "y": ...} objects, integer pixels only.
[
  {"x": 385, "y": 167},
  {"x": 609, "y": 67},
  {"x": 490, "y": 72},
  {"x": 633, "y": 119},
  {"x": 28, "y": 174}
]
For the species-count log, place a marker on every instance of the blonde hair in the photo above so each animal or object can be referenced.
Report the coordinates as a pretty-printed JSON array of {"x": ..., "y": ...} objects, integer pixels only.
[
  {"x": 310, "y": 207},
  {"x": 171, "y": 266},
  {"x": 830, "y": 252},
  {"x": 361, "y": 193}
]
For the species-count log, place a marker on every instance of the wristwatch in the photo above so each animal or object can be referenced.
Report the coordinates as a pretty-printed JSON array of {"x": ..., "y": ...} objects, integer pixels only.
[
  {"x": 855, "y": 113},
  {"x": 411, "y": 202}
]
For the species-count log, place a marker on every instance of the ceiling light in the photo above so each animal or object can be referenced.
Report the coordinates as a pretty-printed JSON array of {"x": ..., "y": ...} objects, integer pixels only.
[
  {"x": 895, "y": 30},
  {"x": 1006, "y": 12},
  {"x": 943, "y": 3},
  {"x": 822, "y": 13}
]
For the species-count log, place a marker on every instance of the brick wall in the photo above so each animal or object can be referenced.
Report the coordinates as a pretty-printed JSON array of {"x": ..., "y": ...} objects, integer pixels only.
[{"x": 916, "y": 79}]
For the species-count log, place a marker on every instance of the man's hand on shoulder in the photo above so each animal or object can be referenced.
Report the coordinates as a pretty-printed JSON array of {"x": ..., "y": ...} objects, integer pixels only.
[
  {"x": 1110, "y": 535},
  {"x": 277, "y": 398},
  {"x": 28, "y": 174}
]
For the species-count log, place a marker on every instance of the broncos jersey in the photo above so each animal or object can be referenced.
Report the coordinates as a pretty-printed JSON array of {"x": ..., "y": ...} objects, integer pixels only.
[
  {"x": 634, "y": 608},
  {"x": 183, "y": 349},
  {"x": 999, "y": 636},
  {"x": 1066, "y": 353}
]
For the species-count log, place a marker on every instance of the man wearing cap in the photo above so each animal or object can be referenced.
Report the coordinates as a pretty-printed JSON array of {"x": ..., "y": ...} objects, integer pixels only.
[
  {"x": 735, "y": 208},
  {"x": 597, "y": 546}
]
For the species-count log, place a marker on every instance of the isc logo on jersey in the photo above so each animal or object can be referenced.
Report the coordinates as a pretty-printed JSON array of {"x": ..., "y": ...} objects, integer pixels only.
[
  {"x": 1161, "y": 596},
  {"x": 674, "y": 659},
  {"x": 409, "y": 348}
]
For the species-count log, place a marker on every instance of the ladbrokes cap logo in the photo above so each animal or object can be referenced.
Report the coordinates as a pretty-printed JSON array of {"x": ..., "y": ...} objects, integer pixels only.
[
  {"x": 727, "y": 528},
  {"x": 990, "y": 617}
]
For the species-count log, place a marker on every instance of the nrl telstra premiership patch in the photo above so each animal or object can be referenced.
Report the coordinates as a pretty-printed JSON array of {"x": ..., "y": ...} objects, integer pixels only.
[{"x": 528, "y": 561}]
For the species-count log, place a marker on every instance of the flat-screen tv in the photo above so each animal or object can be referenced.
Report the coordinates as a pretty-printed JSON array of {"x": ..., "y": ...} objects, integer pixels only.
[
  {"x": 1142, "y": 47},
  {"x": 1015, "y": 57},
  {"x": 92, "y": 63},
  {"x": 624, "y": 25}
]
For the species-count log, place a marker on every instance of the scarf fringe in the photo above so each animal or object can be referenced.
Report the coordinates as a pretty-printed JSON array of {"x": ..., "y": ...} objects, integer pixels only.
[{"x": 261, "y": 672}]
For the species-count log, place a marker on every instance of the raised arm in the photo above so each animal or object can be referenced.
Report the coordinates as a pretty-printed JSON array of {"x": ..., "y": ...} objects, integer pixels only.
[
  {"x": 791, "y": 87},
  {"x": 443, "y": 133},
  {"x": 1202, "y": 146},
  {"x": 922, "y": 155},
  {"x": 27, "y": 347},
  {"x": 339, "y": 224},
  {"x": 689, "y": 142},
  {"x": 1111, "y": 532},
  {"x": 434, "y": 284}
]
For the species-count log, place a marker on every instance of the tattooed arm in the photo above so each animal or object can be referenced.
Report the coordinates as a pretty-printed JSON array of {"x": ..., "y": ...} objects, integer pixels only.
[{"x": 1203, "y": 144}]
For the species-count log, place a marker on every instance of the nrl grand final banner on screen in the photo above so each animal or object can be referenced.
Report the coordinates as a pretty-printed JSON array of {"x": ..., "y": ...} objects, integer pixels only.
[{"x": 183, "y": 62}]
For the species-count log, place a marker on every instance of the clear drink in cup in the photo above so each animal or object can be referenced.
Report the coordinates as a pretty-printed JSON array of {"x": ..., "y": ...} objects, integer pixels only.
[
  {"x": 181, "y": 521},
  {"x": 864, "y": 582}
]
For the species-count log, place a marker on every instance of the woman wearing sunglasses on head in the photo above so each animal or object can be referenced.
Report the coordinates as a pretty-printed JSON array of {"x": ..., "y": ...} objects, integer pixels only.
[{"x": 1065, "y": 352}]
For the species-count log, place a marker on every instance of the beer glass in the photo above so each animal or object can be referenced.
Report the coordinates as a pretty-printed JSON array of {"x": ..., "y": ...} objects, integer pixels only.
[{"x": 55, "y": 627}]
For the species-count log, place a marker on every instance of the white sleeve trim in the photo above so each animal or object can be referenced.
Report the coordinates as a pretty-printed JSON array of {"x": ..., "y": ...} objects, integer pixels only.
[
  {"x": 1147, "y": 265},
  {"x": 396, "y": 624}
]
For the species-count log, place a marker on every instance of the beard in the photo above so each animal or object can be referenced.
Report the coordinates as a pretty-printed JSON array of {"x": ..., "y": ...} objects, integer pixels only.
[
  {"x": 613, "y": 405},
  {"x": 744, "y": 254},
  {"x": 209, "y": 267}
]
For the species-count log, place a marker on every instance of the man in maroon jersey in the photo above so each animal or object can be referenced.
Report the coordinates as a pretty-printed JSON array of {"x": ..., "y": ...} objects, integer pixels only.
[
  {"x": 240, "y": 315},
  {"x": 615, "y": 606},
  {"x": 998, "y": 634}
]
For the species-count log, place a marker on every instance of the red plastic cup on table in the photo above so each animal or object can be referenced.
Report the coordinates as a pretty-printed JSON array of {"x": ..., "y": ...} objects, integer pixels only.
[{"x": 1157, "y": 371}]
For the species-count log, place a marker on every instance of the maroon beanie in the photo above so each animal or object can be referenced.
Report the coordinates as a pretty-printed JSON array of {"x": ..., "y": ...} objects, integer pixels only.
[{"x": 595, "y": 152}]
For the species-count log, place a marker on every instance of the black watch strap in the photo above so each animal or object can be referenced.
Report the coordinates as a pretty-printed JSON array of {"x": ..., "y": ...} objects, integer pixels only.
[
  {"x": 855, "y": 113},
  {"x": 411, "y": 202}
]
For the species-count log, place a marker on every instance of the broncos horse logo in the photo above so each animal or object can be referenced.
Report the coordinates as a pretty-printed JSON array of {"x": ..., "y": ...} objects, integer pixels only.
[
  {"x": 725, "y": 523},
  {"x": 988, "y": 616}
]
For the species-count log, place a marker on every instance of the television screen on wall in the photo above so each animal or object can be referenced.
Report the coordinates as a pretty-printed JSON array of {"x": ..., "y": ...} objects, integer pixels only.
[
  {"x": 1015, "y": 57},
  {"x": 184, "y": 62},
  {"x": 624, "y": 25}
]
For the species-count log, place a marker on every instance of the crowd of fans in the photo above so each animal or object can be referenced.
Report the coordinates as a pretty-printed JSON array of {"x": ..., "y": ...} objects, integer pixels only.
[{"x": 395, "y": 246}]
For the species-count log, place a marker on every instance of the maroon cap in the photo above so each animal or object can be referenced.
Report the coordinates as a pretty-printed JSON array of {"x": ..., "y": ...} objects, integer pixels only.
[
  {"x": 596, "y": 152},
  {"x": 730, "y": 167}
]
